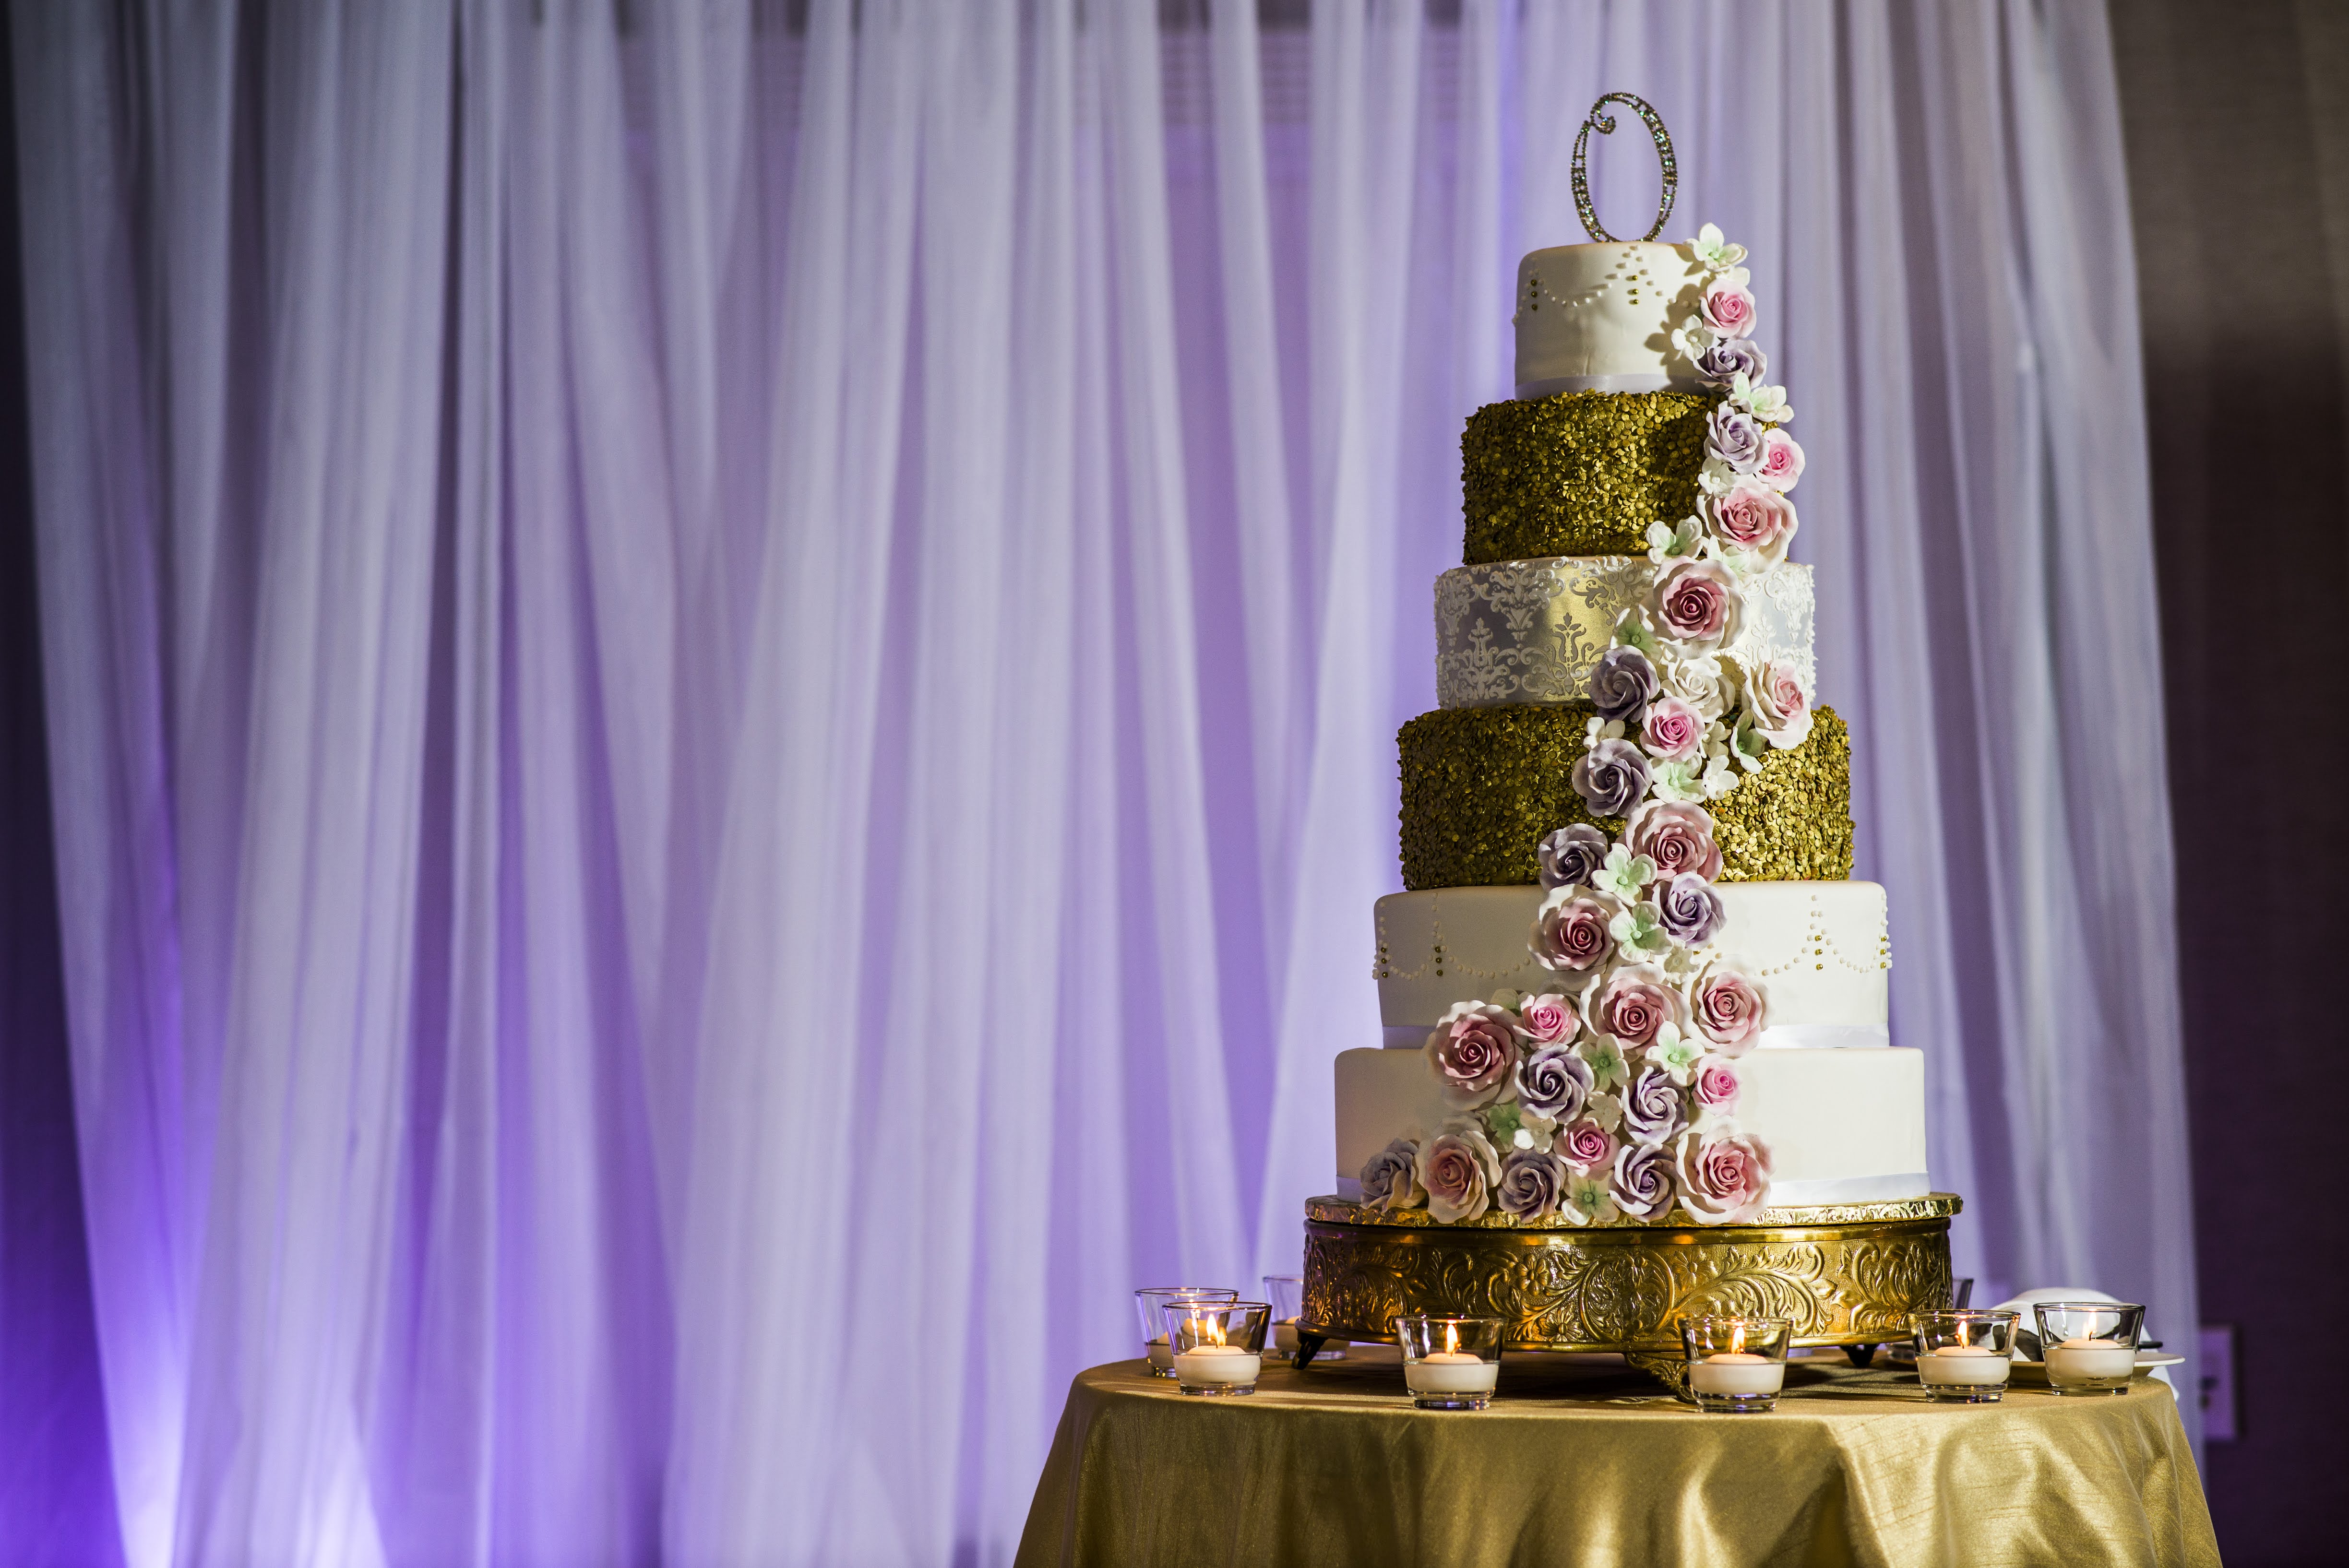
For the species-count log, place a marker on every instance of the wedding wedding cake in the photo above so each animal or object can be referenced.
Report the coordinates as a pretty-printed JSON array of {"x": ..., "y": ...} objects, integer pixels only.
[{"x": 1629, "y": 982}]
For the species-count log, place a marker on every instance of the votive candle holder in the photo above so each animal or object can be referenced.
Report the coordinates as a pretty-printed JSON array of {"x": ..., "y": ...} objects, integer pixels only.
[
  {"x": 1450, "y": 1363},
  {"x": 2089, "y": 1347},
  {"x": 1963, "y": 1357},
  {"x": 1219, "y": 1344},
  {"x": 1736, "y": 1366},
  {"x": 1287, "y": 1293},
  {"x": 1149, "y": 1304}
]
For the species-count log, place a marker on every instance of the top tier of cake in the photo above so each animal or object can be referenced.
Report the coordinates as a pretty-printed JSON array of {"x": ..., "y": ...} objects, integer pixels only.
[{"x": 1593, "y": 318}]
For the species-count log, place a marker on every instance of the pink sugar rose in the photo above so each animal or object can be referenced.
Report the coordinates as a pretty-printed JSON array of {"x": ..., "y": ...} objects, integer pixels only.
[
  {"x": 1775, "y": 705},
  {"x": 1728, "y": 309},
  {"x": 1782, "y": 460},
  {"x": 1549, "y": 1018},
  {"x": 1571, "y": 933},
  {"x": 1473, "y": 1053},
  {"x": 1716, "y": 1084},
  {"x": 1458, "y": 1168},
  {"x": 1636, "y": 1001},
  {"x": 1724, "y": 1180},
  {"x": 1697, "y": 603},
  {"x": 1730, "y": 1010},
  {"x": 1583, "y": 1144},
  {"x": 1677, "y": 835},
  {"x": 1752, "y": 516},
  {"x": 1672, "y": 731}
]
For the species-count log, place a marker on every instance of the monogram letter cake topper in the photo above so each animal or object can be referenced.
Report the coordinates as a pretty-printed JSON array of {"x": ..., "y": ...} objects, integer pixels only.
[{"x": 1605, "y": 125}]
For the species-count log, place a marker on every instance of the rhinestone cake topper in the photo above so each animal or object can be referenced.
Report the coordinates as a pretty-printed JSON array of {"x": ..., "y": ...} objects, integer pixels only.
[{"x": 1605, "y": 124}]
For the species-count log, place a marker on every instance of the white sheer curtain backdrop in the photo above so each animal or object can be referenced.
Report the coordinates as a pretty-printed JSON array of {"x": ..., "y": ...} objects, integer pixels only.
[{"x": 722, "y": 692}]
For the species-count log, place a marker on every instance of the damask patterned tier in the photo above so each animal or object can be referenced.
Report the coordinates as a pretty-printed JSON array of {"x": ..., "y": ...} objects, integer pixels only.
[
  {"x": 1581, "y": 473},
  {"x": 1482, "y": 786},
  {"x": 1530, "y": 631}
]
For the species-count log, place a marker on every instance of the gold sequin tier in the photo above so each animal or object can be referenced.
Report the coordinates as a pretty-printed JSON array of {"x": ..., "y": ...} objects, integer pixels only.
[
  {"x": 1482, "y": 786},
  {"x": 1580, "y": 473}
]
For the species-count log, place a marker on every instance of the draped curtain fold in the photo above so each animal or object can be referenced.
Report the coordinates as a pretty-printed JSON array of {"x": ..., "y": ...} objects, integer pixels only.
[{"x": 722, "y": 688}]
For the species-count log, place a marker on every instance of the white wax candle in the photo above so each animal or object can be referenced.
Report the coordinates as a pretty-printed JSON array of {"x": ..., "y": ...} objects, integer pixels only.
[
  {"x": 1161, "y": 1355},
  {"x": 1217, "y": 1363},
  {"x": 1977, "y": 1365},
  {"x": 1737, "y": 1372},
  {"x": 1451, "y": 1372},
  {"x": 2083, "y": 1358},
  {"x": 1284, "y": 1336}
]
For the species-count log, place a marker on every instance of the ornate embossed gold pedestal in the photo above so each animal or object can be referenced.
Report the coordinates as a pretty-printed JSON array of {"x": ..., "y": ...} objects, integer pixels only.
[{"x": 1847, "y": 1275}]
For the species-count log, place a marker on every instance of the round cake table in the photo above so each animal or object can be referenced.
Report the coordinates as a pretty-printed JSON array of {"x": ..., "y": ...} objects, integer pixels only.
[{"x": 1593, "y": 1463}]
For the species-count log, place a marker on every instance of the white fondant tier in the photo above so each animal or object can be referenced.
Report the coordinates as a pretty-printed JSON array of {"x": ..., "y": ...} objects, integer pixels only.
[
  {"x": 1595, "y": 318},
  {"x": 1819, "y": 948},
  {"x": 1843, "y": 1127},
  {"x": 1530, "y": 631}
]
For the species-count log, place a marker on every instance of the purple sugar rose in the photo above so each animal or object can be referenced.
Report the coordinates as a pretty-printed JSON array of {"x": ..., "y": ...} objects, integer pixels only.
[
  {"x": 1623, "y": 683},
  {"x": 1690, "y": 909},
  {"x": 1610, "y": 777},
  {"x": 1641, "y": 1183},
  {"x": 1652, "y": 1107},
  {"x": 1734, "y": 437},
  {"x": 1531, "y": 1180},
  {"x": 1390, "y": 1179},
  {"x": 1730, "y": 358},
  {"x": 1571, "y": 856},
  {"x": 1554, "y": 1084}
]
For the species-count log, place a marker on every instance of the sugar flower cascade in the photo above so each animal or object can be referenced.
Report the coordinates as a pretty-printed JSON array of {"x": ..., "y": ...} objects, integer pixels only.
[{"x": 1612, "y": 1098}]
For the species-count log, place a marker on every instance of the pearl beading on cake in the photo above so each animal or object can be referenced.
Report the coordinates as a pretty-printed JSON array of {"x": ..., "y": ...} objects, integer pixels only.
[{"x": 1636, "y": 273}]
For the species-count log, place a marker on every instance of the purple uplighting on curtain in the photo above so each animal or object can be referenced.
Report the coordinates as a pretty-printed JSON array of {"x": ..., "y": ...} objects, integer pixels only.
[{"x": 722, "y": 690}]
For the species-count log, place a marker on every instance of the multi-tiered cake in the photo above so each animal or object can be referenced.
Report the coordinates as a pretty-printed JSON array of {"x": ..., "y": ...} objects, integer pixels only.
[{"x": 1630, "y": 984}]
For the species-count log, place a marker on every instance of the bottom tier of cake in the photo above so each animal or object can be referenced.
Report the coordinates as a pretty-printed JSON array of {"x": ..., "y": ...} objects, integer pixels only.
[{"x": 1842, "y": 1126}]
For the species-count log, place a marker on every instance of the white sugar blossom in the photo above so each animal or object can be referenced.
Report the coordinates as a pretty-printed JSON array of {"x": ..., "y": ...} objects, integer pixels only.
[
  {"x": 1747, "y": 744},
  {"x": 1638, "y": 933},
  {"x": 1677, "y": 781},
  {"x": 1624, "y": 874},
  {"x": 1585, "y": 1201},
  {"x": 1767, "y": 404},
  {"x": 1676, "y": 1053},
  {"x": 1716, "y": 477},
  {"x": 1632, "y": 631},
  {"x": 1600, "y": 729},
  {"x": 1606, "y": 1110},
  {"x": 1712, "y": 251},
  {"x": 1672, "y": 543}
]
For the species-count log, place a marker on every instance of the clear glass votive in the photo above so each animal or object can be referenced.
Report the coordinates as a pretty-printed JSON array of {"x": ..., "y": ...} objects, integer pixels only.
[
  {"x": 1963, "y": 1357},
  {"x": 1287, "y": 1293},
  {"x": 2089, "y": 1347},
  {"x": 1150, "y": 1305},
  {"x": 1736, "y": 1365},
  {"x": 1219, "y": 1344},
  {"x": 1450, "y": 1363}
]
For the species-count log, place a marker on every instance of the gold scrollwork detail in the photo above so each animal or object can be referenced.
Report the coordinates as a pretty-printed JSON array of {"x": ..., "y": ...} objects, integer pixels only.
[{"x": 1851, "y": 1282}]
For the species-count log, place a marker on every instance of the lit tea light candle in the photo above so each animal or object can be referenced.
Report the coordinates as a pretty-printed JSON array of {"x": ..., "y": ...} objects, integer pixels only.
[
  {"x": 1974, "y": 1365},
  {"x": 1451, "y": 1372},
  {"x": 1737, "y": 1372},
  {"x": 1217, "y": 1363},
  {"x": 2079, "y": 1360},
  {"x": 1161, "y": 1355}
]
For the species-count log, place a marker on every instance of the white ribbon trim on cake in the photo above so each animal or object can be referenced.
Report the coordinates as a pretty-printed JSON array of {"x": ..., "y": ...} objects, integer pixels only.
[
  {"x": 1786, "y": 1194},
  {"x": 1635, "y": 381},
  {"x": 1776, "y": 1037}
]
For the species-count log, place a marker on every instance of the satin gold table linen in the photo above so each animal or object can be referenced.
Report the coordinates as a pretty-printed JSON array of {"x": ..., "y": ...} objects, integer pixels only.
[{"x": 1576, "y": 1464}]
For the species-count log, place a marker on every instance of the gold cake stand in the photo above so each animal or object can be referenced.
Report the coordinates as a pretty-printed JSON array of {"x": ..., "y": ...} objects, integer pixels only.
[{"x": 1847, "y": 1275}]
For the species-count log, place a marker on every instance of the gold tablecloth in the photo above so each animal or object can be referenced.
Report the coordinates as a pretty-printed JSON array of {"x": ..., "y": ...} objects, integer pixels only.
[{"x": 1583, "y": 1464}]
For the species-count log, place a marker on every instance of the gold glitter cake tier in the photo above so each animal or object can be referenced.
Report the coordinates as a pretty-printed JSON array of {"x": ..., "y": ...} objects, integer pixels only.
[
  {"x": 1482, "y": 786},
  {"x": 1580, "y": 473}
]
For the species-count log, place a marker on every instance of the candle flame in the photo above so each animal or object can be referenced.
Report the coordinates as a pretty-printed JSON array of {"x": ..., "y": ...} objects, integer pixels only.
[
  {"x": 1451, "y": 1337},
  {"x": 1216, "y": 1328}
]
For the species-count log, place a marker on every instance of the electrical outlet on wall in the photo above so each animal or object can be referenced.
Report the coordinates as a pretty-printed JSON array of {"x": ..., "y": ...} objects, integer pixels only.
[{"x": 2217, "y": 1382}]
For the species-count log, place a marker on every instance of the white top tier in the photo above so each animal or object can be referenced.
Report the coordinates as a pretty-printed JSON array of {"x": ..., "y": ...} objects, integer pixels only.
[{"x": 1595, "y": 318}]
